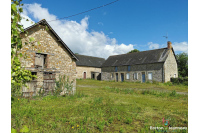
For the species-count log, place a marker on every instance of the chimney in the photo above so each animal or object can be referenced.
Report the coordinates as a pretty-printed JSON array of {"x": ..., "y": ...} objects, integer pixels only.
[{"x": 169, "y": 45}]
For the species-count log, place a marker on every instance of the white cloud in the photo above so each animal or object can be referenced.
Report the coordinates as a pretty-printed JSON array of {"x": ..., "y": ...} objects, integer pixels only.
[
  {"x": 153, "y": 45},
  {"x": 100, "y": 23},
  {"x": 182, "y": 46},
  {"x": 26, "y": 23},
  {"x": 177, "y": 46},
  {"x": 77, "y": 36}
]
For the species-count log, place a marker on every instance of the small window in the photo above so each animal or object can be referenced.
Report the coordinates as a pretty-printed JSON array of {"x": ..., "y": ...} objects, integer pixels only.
[
  {"x": 150, "y": 75},
  {"x": 115, "y": 69},
  {"x": 127, "y": 76},
  {"x": 174, "y": 75},
  {"x": 33, "y": 73},
  {"x": 40, "y": 60},
  {"x": 135, "y": 76},
  {"x": 129, "y": 68},
  {"x": 111, "y": 76}
]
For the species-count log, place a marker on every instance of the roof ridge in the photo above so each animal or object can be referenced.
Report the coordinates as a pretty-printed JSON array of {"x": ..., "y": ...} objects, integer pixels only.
[
  {"x": 139, "y": 52},
  {"x": 89, "y": 56}
]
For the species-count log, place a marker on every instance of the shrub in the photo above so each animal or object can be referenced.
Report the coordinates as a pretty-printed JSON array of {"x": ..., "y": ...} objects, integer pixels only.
[
  {"x": 173, "y": 93},
  {"x": 168, "y": 83},
  {"x": 180, "y": 80},
  {"x": 63, "y": 85},
  {"x": 110, "y": 120}
]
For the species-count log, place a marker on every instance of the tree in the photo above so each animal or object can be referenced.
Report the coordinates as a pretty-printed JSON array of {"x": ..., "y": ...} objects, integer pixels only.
[
  {"x": 133, "y": 51},
  {"x": 19, "y": 76},
  {"x": 182, "y": 59}
]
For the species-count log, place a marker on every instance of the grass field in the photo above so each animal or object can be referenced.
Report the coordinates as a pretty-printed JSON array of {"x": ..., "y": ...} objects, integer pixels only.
[{"x": 100, "y": 106}]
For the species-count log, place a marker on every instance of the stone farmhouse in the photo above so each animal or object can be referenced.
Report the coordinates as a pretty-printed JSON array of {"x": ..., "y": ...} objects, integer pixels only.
[
  {"x": 89, "y": 67},
  {"x": 48, "y": 58},
  {"x": 153, "y": 65}
]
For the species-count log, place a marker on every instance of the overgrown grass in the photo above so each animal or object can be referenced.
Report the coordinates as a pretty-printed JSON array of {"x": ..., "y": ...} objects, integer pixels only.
[{"x": 101, "y": 108}]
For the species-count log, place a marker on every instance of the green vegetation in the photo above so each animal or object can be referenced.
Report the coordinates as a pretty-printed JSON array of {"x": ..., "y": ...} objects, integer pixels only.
[
  {"x": 133, "y": 51},
  {"x": 182, "y": 59},
  {"x": 100, "y": 106}
]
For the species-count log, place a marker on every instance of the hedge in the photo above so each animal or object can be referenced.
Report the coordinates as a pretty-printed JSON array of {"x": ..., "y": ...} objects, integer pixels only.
[{"x": 180, "y": 80}]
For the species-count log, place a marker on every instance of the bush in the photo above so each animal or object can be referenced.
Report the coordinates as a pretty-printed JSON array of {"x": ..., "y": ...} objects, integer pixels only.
[{"x": 180, "y": 80}]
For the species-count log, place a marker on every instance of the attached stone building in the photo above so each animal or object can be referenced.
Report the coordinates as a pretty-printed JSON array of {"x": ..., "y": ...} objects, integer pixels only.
[
  {"x": 153, "y": 65},
  {"x": 89, "y": 67},
  {"x": 47, "y": 58}
]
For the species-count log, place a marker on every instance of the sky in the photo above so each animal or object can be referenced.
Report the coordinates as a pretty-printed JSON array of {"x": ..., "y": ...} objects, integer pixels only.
[{"x": 114, "y": 29}]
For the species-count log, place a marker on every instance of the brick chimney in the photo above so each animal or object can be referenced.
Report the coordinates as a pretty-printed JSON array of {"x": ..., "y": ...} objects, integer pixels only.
[{"x": 169, "y": 45}]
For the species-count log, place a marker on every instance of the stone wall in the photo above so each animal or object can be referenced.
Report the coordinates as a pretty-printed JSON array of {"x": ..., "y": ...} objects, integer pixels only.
[
  {"x": 170, "y": 67},
  {"x": 89, "y": 70},
  {"x": 58, "y": 60},
  {"x": 108, "y": 73}
]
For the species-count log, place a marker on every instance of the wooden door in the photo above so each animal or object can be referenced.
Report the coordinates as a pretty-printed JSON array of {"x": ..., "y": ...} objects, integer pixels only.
[
  {"x": 48, "y": 82},
  {"x": 84, "y": 75}
]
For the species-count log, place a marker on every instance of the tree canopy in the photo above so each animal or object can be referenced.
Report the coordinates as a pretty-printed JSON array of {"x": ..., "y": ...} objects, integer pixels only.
[
  {"x": 133, "y": 51},
  {"x": 182, "y": 59}
]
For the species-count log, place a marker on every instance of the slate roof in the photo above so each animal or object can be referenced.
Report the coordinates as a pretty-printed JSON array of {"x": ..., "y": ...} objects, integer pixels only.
[
  {"x": 143, "y": 57},
  {"x": 89, "y": 61},
  {"x": 44, "y": 22}
]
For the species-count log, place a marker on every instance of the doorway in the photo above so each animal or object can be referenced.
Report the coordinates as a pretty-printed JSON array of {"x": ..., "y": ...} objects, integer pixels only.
[
  {"x": 143, "y": 77},
  {"x": 117, "y": 77},
  {"x": 93, "y": 76},
  {"x": 122, "y": 77},
  {"x": 84, "y": 75}
]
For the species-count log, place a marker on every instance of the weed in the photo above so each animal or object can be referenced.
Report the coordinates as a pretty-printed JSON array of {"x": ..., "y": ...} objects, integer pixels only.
[
  {"x": 100, "y": 125},
  {"x": 110, "y": 120},
  {"x": 98, "y": 100},
  {"x": 121, "y": 130},
  {"x": 173, "y": 93},
  {"x": 128, "y": 120}
]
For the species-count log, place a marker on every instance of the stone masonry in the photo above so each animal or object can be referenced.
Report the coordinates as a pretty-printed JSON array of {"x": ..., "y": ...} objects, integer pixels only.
[
  {"x": 108, "y": 73},
  {"x": 58, "y": 60},
  {"x": 89, "y": 71}
]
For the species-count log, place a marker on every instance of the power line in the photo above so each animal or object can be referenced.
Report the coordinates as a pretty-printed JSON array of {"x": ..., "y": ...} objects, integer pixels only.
[{"x": 85, "y": 11}]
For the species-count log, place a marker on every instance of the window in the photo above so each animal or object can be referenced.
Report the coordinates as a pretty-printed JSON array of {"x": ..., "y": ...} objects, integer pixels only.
[
  {"x": 129, "y": 68},
  {"x": 135, "y": 76},
  {"x": 174, "y": 75},
  {"x": 150, "y": 75},
  {"x": 33, "y": 73},
  {"x": 111, "y": 76},
  {"x": 115, "y": 69},
  {"x": 40, "y": 60},
  {"x": 127, "y": 76}
]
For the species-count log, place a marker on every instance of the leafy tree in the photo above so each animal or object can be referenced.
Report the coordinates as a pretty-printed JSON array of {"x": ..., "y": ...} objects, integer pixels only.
[
  {"x": 133, "y": 51},
  {"x": 19, "y": 76},
  {"x": 182, "y": 59}
]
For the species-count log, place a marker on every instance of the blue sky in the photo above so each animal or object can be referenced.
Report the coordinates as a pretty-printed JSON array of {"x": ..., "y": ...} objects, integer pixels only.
[{"x": 117, "y": 28}]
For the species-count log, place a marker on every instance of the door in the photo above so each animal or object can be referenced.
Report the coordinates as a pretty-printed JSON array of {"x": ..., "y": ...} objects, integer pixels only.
[
  {"x": 84, "y": 75},
  {"x": 122, "y": 77},
  {"x": 116, "y": 76},
  {"x": 93, "y": 76},
  {"x": 143, "y": 77},
  {"x": 49, "y": 82}
]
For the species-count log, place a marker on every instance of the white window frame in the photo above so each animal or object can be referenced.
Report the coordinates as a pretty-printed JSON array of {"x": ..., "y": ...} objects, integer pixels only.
[
  {"x": 151, "y": 75},
  {"x": 127, "y": 76},
  {"x": 135, "y": 76}
]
